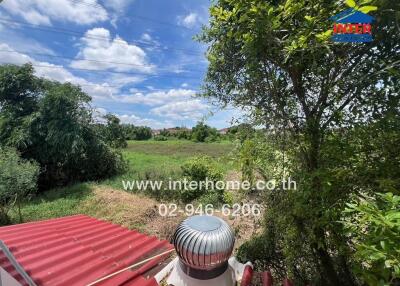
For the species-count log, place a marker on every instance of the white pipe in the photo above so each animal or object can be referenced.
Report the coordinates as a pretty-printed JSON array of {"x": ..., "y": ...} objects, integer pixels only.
[{"x": 166, "y": 270}]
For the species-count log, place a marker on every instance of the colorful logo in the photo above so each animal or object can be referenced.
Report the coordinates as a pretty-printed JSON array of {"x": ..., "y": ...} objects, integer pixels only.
[{"x": 352, "y": 26}]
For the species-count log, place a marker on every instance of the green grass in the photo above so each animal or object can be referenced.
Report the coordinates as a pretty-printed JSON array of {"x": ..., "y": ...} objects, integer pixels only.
[
  {"x": 54, "y": 203},
  {"x": 151, "y": 160},
  {"x": 180, "y": 148},
  {"x": 160, "y": 160}
]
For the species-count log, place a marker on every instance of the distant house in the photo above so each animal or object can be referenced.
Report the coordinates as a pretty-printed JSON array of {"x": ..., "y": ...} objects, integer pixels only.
[
  {"x": 155, "y": 132},
  {"x": 223, "y": 131},
  {"x": 177, "y": 129}
]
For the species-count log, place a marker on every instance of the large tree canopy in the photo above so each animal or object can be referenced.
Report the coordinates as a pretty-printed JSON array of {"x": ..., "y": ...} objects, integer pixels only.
[
  {"x": 52, "y": 123},
  {"x": 276, "y": 57}
]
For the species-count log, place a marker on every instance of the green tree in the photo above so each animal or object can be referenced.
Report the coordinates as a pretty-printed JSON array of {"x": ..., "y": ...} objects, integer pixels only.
[
  {"x": 202, "y": 132},
  {"x": 137, "y": 132},
  {"x": 276, "y": 58},
  {"x": 18, "y": 179},
  {"x": 18, "y": 105},
  {"x": 114, "y": 132},
  {"x": 52, "y": 124}
]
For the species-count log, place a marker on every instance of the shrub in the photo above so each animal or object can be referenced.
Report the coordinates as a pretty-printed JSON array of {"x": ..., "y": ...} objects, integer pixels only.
[
  {"x": 210, "y": 197},
  {"x": 202, "y": 132},
  {"x": 18, "y": 178},
  {"x": 200, "y": 169},
  {"x": 136, "y": 132},
  {"x": 114, "y": 133},
  {"x": 159, "y": 175},
  {"x": 228, "y": 198},
  {"x": 374, "y": 225},
  {"x": 160, "y": 138}
]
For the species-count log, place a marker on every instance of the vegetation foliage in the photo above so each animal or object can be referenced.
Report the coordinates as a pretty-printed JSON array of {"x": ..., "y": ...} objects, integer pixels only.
[
  {"x": 52, "y": 123},
  {"x": 373, "y": 225},
  {"x": 333, "y": 111},
  {"x": 18, "y": 179},
  {"x": 202, "y": 169}
]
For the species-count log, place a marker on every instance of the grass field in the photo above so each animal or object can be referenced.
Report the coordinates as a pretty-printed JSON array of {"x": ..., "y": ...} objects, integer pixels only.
[
  {"x": 180, "y": 148},
  {"x": 156, "y": 160},
  {"x": 151, "y": 160}
]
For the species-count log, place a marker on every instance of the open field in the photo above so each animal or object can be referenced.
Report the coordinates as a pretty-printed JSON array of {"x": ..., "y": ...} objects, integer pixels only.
[
  {"x": 180, "y": 148},
  {"x": 157, "y": 160},
  {"x": 106, "y": 199}
]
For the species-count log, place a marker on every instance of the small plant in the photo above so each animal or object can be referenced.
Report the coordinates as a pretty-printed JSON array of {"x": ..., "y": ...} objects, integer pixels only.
[
  {"x": 210, "y": 198},
  {"x": 200, "y": 169},
  {"x": 160, "y": 138},
  {"x": 228, "y": 198},
  {"x": 374, "y": 225}
]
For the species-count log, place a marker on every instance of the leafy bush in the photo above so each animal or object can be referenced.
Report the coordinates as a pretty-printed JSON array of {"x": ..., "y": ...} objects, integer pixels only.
[
  {"x": 228, "y": 198},
  {"x": 374, "y": 228},
  {"x": 210, "y": 197},
  {"x": 51, "y": 123},
  {"x": 114, "y": 133},
  {"x": 18, "y": 178},
  {"x": 160, "y": 138},
  {"x": 202, "y": 133},
  {"x": 200, "y": 169},
  {"x": 137, "y": 132},
  {"x": 184, "y": 134},
  {"x": 160, "y": 175},
  {"x": 241, "y": 132}
]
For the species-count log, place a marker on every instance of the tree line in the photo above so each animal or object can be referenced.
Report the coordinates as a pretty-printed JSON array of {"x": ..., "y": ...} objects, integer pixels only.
[{"x": 49, "y": 136}]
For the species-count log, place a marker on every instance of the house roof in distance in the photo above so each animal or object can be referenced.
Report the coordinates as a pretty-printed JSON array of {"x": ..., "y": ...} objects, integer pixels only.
[{"x": 77, "y": 250}]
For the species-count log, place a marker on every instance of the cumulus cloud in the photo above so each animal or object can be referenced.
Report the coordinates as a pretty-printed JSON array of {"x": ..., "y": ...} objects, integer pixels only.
[
  {"x": 47, "y": 11},
  {"x": 117, "y": 5},
  {"x": 97, "y": 46},
  {"x": 189, "y": 21},
  {"x": 57, "y": 72},
  {"x": 138, "y": 121},
  {"x": 159, "y": 97},
  {"x": 192, "y": 109}
]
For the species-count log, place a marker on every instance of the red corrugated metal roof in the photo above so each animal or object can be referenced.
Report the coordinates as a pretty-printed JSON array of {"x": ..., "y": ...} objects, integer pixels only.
[{"x": 77, "y": 250}]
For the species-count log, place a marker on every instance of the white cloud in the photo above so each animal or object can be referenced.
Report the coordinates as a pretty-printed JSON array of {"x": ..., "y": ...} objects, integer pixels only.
[
  {"x": 98, "y": 46},
  {"x": 47, "y": 11},
  {"x": 117, "y": 5},
  {"x": 192, "y": 109},
  {"x": 146, "y": 37},
  {"x": 159, "y": 97},
  {"x": 57, "y": 72},
  {"x": 189, "y": 21},
  {"x": 138, "y": 121}
]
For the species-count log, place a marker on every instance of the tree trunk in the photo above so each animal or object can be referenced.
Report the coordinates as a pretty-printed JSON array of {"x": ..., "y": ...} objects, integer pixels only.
[{"x": 329, "y": 273}]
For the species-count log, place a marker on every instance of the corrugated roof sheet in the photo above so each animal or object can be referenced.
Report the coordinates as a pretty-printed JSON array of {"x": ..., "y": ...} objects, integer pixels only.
[{"x": 77, "y": 250}]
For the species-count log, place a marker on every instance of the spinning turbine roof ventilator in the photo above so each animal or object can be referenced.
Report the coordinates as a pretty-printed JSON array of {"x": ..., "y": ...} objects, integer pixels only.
[{"x": 204, "y": 245}]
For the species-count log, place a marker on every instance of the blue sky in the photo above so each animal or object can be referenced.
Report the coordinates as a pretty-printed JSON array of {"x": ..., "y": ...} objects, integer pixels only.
[{"x": 136, "y": 58}]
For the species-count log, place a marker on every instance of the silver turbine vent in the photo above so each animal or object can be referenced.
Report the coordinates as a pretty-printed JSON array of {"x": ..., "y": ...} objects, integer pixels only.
[{"x": 204, "y": 244}]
